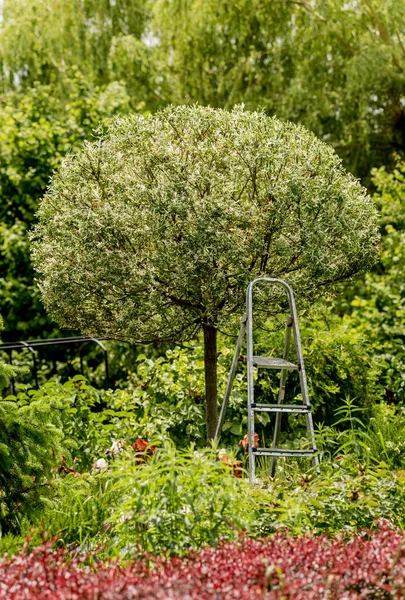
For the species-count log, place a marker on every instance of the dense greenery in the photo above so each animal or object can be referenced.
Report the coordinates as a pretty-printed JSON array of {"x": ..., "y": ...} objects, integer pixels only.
[
  {"x": 146, "y": 233},
  {"x": 47, "y": 41},
  {"x": 333, "y": 66},
  {"x": 37, "y": 130},
  {"x": 377, "y": 310},
  {"x": 134, "y": 498}
]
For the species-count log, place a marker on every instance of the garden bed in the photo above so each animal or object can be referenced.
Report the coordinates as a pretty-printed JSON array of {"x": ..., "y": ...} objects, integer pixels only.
[{"x": 369, "y": 565}]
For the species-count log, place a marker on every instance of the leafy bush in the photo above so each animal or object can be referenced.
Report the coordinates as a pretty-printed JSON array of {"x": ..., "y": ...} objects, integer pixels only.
[
  {"x": 178, "y": 501},
  {"x": 159, "y": 404},
  {"x": 376, "y": 306},
  {"x": 167, "y": 393},
  {"x": 86, "y": 430},
  {"x": 370, "y": 436},
  {"x": 79, "y": 512},
  {"x": 346, "y": 496},
  {"x": 172, "y": 502},
  {"x": 30, "y": 448},
  {"x": 361, "y": 479}
]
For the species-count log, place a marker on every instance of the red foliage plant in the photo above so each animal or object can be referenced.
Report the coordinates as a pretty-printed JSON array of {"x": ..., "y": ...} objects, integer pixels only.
[{"x": 371, "y": 565}]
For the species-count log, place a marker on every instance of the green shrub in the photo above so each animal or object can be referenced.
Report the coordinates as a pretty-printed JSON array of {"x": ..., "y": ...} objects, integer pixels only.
[
  {"x": 167, "y": 393},
  {"x": 159, "y": 404},
  {"x": 344, "y": 497},
  {"x": 370, "y": 436},
  {"x": 80, "y": 510},
  {"x": 179, "y": 500},
  {"x": 173, "y": 501},
  {"x": 361, "y": 479},
  {"x": 30, "y": 449}
]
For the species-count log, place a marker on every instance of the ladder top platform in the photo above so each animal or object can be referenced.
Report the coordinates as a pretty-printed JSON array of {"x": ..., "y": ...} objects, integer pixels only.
[{"x": 263, "y": 362}]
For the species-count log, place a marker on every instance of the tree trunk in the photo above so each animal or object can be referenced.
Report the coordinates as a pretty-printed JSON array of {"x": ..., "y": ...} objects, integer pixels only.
[{"x": 210, "y": 367}]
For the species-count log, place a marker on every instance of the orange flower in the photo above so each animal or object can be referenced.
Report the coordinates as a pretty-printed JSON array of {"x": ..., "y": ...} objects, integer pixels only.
[
  {"x": 142, "y": 447},
  {"x": 234, "y": 465},
  {"x": 245, "y": 442}
]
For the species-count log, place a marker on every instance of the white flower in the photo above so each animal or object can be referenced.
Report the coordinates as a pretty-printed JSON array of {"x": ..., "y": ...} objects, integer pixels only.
[
  {"x": 100, "y": 464},
  {"x": 117, "y": 447}
]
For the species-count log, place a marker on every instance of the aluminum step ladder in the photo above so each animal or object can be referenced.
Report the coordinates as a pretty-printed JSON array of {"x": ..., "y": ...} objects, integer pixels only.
[{"x": 280, "y": 364}]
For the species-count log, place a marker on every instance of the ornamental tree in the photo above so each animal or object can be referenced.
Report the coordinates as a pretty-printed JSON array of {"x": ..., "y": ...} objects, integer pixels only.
[{"x": 152, "y": 232}]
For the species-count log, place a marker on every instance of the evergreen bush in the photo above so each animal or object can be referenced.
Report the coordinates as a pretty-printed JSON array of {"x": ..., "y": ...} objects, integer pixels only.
[{"x": 30, "y": 448}]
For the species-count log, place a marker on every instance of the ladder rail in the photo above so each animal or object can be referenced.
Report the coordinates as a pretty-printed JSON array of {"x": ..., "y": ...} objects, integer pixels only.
[
  {"x": 281, "y": 393},
  {"x": 231, "y": 378},
  {"x": 303, "y": 379},
  {"x": 250, "y": 383},
  {"x": 249, "y": 336}
]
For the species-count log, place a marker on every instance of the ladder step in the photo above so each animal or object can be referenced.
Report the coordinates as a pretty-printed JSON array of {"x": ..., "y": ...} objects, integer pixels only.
[
  {"x": 282, "y": 408},
  {"x": 265, "y": 362},
  {"x": 284, "y": 452}
]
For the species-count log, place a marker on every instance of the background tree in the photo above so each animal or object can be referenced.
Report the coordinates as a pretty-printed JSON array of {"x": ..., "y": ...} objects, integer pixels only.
[
  {"x": 37, "y": 130},
  {"x": 333, "y": 66},
  {"x": 45, "y": 41},
  {"x": 154, "y": 231}
]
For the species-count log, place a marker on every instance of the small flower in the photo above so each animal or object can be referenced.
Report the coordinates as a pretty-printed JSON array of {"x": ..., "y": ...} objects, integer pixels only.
[
  {"x": 140, "y": 445},
  {"x": 100, "y": 465},
  {"x": 142, "y": 449},
  {"x": 245, "y": 442},
  {"x": 235, "y": 466},
  {"x": 118, "y": 446}
]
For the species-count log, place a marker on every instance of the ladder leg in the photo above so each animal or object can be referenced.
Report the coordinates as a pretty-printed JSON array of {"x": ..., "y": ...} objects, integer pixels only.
[
  {"x": 303, "y": 380},
  {"x": 250, "y": 386},
  {"x": 308, "y": 416},
  {"x": 311, "y": 437},
  {"x": 281, "y": 394},
  {"x": 231, "y": 378}
]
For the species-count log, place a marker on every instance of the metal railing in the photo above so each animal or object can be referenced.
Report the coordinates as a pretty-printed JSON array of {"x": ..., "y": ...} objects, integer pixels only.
[{"x": 34, "y": 345}]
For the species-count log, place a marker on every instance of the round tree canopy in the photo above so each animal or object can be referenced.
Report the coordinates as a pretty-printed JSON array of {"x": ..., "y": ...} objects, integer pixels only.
[{"x": 156, "y": 228}]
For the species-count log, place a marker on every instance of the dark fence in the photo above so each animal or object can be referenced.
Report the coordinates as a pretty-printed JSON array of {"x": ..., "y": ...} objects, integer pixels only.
[{"x": 34, "y": 346}]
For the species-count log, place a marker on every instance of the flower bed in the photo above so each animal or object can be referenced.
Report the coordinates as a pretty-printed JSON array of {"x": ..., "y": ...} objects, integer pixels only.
[{"x": 368, "y": 566}]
